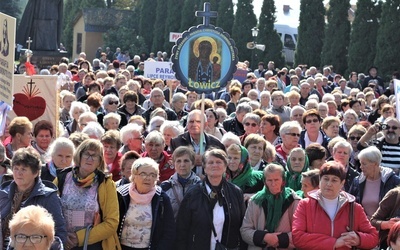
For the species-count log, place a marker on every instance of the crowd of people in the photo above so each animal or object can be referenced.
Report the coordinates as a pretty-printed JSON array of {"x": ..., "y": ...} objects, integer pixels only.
[{"x": 286, "y": 159}]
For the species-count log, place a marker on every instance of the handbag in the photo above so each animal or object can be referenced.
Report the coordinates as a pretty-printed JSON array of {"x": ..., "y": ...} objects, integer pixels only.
[
  {"x": 218, "y": 245},
  {"x": 85, "y": 242}
]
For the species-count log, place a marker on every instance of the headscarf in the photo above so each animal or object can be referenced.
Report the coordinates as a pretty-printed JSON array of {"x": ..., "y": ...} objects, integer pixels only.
[
  {"x": 273, "y": 204},
  {"x": 293, "y": 179},
  {"x": 245, "y": 175}
]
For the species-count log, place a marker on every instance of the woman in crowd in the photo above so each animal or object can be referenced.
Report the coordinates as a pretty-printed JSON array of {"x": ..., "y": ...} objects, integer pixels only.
[
  {"x": 323, "y": 218},
  {"x": 297, "y": 164},
  {"x": 386, "y": 111},
  {"x": 309, "y": 181},
  {"x": 388, "y": 213},
  {"x": 278, "y": 106},
  {"x": 265, "y": 100},
  {"x": 341, "y": 153},
  {"x": 330, "y": 125},
  {"x": 290, "y": 134},
  {"x": 146, "y": 216},
  {"x": 77, "y": 108},
  {"x": 240, "y": 173},
  {"x": 294, "y": 98},
  {"x": 130, "y": 107},
  {"x": 111, "y": 143},
  {"x": 183, "y": 179},
  {"x": 191, "y": 98},
  {"x": 269, "y": 128},
  {"x": 316, "y": 155},
  {"x": 269, "y": 216},
  {"x": 60, "y": 154},
  {"x": 212, "y": 211},
  {"x": 111, "y": 121},
  {"x": 374, "y": 181},
  {"x": 312, "y": 132},
  {"x": 255, "y": 145},
  {"x": 213, "y": 127},
  {"x": 132, "y": 138},
  {"x": 235, "y": 94},
  {"x": 126, "y": 166},
  {"x": 393, "y": 239},
  {"x": 154, "y": 145},
  {"x": 350, "y": 118},
  {"x": 20, "y": 130},
  {"x": 354, "y": 135},
  {"x": 67, "y": 100},
  {"x": 178, "y": 104},
  {"x": 251, "y": 123},
  {"x": 88, "y": 198},
  {"x": 33, "y": 227},
  {"x": 43, "y": 133},
  {"x": 28, "y": 189},
  {"x": 169, "y": 130}
]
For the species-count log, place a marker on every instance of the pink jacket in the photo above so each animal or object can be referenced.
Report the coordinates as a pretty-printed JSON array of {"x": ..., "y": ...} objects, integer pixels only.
[{"x": 312, "y": 227}]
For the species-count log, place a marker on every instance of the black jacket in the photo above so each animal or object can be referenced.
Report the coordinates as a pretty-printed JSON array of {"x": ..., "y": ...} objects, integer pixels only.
[
  {"x": 163, "y": 222},
  {"x": 194, "y": 218},
  {"x": 184, "y": 140},
  {"x": 171, "y": 115},
  {"x": 234, "y": 126}
]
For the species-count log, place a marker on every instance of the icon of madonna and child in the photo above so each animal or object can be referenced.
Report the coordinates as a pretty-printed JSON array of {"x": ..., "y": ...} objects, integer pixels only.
[{"x": 205, "y": 60}]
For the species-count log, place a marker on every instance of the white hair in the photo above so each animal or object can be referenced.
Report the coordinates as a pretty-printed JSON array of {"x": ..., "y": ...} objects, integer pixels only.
[
  {"x": 93, "y": 130},
  {"x": 126, "y": 132}
]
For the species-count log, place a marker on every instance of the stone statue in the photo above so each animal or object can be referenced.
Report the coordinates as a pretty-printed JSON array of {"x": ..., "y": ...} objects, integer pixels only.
[{"x": 41, "y": 22}]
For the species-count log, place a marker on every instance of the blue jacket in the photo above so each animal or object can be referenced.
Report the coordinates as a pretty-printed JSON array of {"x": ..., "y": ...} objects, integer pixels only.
[
  {"x": 44, "y": 194},
  {"x": 389, "y": 180}
]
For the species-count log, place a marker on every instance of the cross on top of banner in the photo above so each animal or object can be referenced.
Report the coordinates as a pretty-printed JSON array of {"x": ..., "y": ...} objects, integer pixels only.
[{"x": 206, "y": 13}]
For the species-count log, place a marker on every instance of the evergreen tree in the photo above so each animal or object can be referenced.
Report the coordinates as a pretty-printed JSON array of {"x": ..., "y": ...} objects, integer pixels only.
[
  {"x": 310, "y": 31},
  {"x": 387, "y": 50},
  {"x": 147, "y": 21},
  {"x": 159, "y": 35},
  {"x": 173, "y": 22},
  {"x": 10, "y": 8},
  {"x": 267, "y": 35},
  {"x": 363, "y": 35},
  {"x": 245, "y": 20},
  {"x": 188, "y": 14},
  {"x": 337, "y": 36},
  {"x": 214, "y": 7},
  {"x": 225, "y": 17}
]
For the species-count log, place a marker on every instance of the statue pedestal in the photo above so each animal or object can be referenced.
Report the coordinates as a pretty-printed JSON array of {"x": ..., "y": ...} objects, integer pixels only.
[{"x": 46, "y": 59}]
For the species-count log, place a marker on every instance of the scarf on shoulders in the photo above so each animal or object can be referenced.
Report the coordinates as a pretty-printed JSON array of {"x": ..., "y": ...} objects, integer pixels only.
[
  {"x": 293, "y": 179},
  {"x": 85, "y": 182},
  {"x": 274, "y": 204},
  {"x": 142, "y": 199},
  {"x": 216, "y": 193}
]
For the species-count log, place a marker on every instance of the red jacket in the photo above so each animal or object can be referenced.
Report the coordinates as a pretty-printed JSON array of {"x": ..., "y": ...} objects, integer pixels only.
[
  {"x": 165, "y": 166},
  {"x": 116, "y": 168},
  {"x": 313, "y": 229}
]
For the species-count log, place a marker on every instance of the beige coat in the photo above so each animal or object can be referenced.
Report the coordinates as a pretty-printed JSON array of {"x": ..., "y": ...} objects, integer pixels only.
[{"x": 254, "y": 224}]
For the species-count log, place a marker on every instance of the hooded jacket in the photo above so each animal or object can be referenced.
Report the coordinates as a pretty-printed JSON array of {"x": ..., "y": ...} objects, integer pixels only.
[{"x": 313, "y": 228}]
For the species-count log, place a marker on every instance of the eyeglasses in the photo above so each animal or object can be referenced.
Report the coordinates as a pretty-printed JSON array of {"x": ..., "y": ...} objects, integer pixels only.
[
  {"x": 251, "y": 124},
  {"x": 35, "y": 239},
  {"x": 387, "y": 127},
  {"x": 352, "y": 138},
  {"x": 313, "y": 120},
  {"x": 111, "y": 102},
  {"x": 93, "y": 157},
  {"x": 144, "y": 175},
  {"x": 293, "y": 134}
]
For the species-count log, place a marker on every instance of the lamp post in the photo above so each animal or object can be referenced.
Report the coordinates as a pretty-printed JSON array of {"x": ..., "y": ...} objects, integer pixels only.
[{"x": 254, "y": 33}]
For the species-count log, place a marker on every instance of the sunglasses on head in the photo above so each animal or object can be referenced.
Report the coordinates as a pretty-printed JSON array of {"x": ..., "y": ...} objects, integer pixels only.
[
  {"x": 111, "y": 102},
  {"x": 250, "y": 124}
]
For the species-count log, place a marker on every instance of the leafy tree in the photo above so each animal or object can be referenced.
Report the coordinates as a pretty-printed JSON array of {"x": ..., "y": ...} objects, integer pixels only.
[
  {"x": 387, "y": 50},
  {"x": 147, "y": 21},
  {"x": 173, "y": 22},
  {"x": 267, "y": 35},
  {"x": 159, "y": 35},
  {"x": 225, "y": 17},
  {"x": 188, "y": 14},
  {"x": 337, "y": 36},
  {"x": 10, "y": 8},
  {"x": 365, "y": 26},
  {"x": 245, "y": 20},
  {"x": 310, "y": 31}
]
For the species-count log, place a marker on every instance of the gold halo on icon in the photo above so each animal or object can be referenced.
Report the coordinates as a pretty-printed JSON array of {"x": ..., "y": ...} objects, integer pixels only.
[{"x": 205, "y": 38}]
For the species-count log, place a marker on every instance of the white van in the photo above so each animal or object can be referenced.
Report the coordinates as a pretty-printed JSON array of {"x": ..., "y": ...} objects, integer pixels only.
[{"x": 288, "y": 36}]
